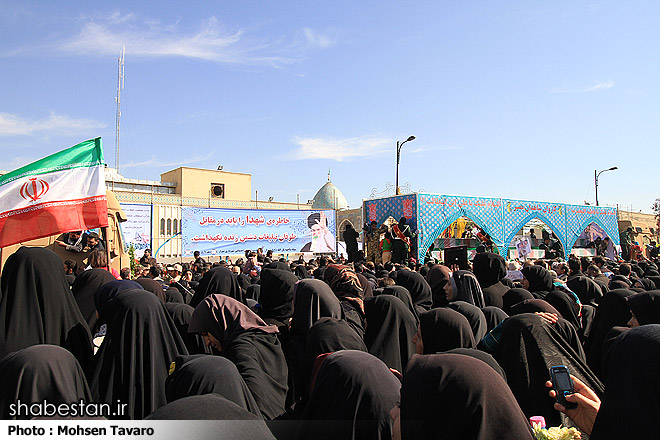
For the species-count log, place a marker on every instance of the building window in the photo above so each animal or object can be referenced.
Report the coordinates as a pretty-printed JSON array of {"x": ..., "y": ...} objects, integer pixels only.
[
  {"x": 162, "y": 226},
  {"x": 175, "y": 226},
  {"x": 169, "y": 226},
  {"x": 218, "y": 190},
  {"x": 122, "y": 186}
]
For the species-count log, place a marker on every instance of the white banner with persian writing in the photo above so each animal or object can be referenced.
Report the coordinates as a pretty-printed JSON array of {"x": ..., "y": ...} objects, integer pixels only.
[{"x": 137, "y": 229}]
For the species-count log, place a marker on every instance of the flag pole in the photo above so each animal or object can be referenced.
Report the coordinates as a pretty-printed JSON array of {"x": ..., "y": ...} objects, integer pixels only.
[{"x": 104, "y": 231}]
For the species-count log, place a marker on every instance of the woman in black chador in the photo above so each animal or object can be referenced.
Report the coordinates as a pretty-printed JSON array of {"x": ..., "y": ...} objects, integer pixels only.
[
  {"x": 140, "y": 344},
  {"x": 241, "y": 336},
  {"x": 41, "y": 373},
  {"x": 37, "y": 307},
  {"x": 453, "y": 396}
]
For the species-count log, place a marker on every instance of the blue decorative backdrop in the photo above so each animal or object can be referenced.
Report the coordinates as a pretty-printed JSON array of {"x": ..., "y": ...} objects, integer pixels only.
[
  {"x": 517, "y": 213},
  {"x": 578, "y": 217},
  {"x": 439, "y": 212},
  {"x": 379, "y": 210},
  {"x": 500, "y": 218}
]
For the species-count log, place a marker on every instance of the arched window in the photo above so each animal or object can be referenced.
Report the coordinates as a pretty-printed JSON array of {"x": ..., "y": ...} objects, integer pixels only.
[
  {"x": 175, "y": 228},
  {"x": 169, "y": 226},
  {"x": 162, "y": 226},
  {"x": 343, "y": 225}
]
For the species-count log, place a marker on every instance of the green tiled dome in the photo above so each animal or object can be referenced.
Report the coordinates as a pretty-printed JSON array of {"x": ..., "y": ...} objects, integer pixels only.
[{"x": 329, "y": 197}]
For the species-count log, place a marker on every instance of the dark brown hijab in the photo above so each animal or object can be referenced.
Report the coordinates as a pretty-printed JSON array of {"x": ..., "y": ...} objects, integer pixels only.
[
  {"x": 475, "y": 317},
  {"x": 567, "y": 305},
  {"x": 201, "y": 374},
  {"x": 328, "y": 335},
  {"x": 251, "y": 345},
  {"x": 612, "y": 311},
  {"x": 490, "y": 269},
  {"x": 513, "y": 297},
  {"x": 225, "y": 318},
  {"x": 528, "y": 347},
  {"x": 586, "y": 289}
]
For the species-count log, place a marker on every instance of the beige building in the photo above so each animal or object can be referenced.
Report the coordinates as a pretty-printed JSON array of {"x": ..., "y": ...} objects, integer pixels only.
[
  {"x": 205, "y": 184},
  {"x": 645, "y": 226},
  {"x": 186, "y": 186}
]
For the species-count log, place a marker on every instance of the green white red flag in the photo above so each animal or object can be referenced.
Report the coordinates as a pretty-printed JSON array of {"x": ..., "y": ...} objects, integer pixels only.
[{"x": 59, "y": 193}]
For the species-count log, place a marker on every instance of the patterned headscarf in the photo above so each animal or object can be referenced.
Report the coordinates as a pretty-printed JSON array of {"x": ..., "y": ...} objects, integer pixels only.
[
  {"x": 345, "y": 283},
  {"x": 342, "y": 279}
]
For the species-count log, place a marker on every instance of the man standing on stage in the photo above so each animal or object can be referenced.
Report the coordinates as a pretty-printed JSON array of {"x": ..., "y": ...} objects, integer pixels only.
[
  {"x": 401, "y": 236},
  {"x": 350, "y": 238},
  {"x": 372, "y": 236}
]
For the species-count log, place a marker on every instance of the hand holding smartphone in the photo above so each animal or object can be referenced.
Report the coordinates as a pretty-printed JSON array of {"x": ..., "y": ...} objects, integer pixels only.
[
  {"x": 563, "y": 385},
  {"x": 585, "y": 403}
]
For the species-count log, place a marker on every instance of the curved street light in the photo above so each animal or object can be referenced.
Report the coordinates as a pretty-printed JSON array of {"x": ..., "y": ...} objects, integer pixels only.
[
  {"x": 398, "y": 157},
  {"x": 596, "y": 175}
]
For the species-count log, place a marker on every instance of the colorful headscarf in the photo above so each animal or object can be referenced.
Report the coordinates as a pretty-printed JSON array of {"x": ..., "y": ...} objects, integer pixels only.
[{"x": 345, "y": 283}]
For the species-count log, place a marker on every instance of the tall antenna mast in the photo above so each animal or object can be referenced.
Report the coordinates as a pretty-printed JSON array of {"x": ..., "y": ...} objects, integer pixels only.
[{"x": 120, "y": 86}]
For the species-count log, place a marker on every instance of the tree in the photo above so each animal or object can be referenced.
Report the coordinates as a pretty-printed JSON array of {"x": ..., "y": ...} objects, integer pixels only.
[{"x": 656, "y": 210}]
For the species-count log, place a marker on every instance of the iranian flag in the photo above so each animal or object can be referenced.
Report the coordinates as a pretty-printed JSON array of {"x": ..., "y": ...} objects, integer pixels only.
[{"x": 59, "y": 193}]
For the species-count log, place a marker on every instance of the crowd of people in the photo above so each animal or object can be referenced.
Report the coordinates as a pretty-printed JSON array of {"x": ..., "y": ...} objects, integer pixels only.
[{"x": 339, "y": 349}]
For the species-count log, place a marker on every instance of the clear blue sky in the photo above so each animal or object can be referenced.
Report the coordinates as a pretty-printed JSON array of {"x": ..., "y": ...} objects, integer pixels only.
[{"x": 513, "y": 99}]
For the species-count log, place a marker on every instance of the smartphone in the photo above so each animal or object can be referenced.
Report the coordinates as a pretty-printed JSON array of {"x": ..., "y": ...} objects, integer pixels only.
[{"x": 563, "y": 385}]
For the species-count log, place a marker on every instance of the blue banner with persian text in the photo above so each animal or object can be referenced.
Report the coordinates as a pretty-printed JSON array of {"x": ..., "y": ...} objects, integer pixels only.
[{"x": 217, "y": 231}]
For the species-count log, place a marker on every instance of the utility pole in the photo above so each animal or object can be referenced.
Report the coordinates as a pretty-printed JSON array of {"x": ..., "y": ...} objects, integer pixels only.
[
  {"x": 120, "y": 86},
  {"x": 398, "y": 157}
]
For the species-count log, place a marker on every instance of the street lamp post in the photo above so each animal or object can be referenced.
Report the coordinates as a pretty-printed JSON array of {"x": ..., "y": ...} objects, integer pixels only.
[
  {"x": 596, "y": 175},
  {"x": 398, "y": 157}
]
